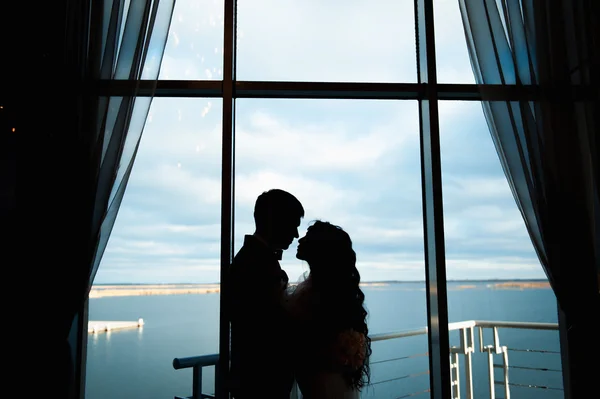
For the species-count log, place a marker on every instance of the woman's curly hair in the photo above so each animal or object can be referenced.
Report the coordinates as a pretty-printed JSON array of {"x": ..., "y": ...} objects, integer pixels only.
[{"x": 334, "y": 276}]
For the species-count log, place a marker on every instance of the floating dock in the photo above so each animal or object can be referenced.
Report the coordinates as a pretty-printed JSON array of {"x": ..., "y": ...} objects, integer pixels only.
[{"x": 95, "y": 327}]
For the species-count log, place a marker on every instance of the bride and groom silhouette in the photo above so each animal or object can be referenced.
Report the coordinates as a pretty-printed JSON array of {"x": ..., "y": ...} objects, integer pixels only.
[{"x": 313, "y": 333}]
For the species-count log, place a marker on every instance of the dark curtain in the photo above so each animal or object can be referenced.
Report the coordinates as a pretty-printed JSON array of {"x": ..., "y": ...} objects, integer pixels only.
[{"x": 548, "y": 145}]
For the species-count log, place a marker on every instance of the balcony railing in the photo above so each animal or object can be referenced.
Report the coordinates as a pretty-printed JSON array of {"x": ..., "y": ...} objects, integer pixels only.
[{"x": 468, "y": 330}]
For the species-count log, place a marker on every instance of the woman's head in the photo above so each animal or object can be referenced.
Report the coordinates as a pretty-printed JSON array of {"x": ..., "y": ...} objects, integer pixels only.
[{"x": 327, "y": 249}]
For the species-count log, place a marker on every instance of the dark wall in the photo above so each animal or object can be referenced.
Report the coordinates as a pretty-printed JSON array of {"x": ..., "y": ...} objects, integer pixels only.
[{"x": 38, "y": 106}]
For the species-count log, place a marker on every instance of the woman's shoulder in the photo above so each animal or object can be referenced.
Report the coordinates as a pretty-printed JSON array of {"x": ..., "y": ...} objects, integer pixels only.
[{"x": 298, "y": 298}]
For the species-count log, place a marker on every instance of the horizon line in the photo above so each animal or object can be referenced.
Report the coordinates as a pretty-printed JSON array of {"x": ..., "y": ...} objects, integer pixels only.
[{"x": 369, "y": 281}]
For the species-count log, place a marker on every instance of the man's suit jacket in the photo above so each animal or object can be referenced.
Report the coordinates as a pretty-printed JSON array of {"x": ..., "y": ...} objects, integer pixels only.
[{"x": 260, "y": 364}]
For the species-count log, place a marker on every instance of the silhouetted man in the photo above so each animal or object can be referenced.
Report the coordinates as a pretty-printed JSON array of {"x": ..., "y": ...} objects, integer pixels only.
[{"x": 259, "y": 326}]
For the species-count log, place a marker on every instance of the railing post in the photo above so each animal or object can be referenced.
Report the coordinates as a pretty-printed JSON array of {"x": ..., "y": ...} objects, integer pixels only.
[
  {"x": 468, "y": 340},
  {"x": 490, "y": 354},
  {"x": 469, "y": 374},
  {"x": 497, "y": 348},
  {"x": 197, "y": 382},
  {"x": 217, "y": 375},
  {"x": 455, "y": 372},
  {"x": 505, "y": 369}
]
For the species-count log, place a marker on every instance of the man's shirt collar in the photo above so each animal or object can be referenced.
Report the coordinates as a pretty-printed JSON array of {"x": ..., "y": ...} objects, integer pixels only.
[{"x": 259, "y": 242}]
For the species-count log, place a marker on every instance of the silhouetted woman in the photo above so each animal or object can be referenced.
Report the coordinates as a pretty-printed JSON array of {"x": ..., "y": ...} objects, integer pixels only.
[{"x": 331, "y": 343}]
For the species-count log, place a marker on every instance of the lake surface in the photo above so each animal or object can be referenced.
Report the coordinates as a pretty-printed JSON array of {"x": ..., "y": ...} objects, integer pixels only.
[{"x": 138, "y": 363}]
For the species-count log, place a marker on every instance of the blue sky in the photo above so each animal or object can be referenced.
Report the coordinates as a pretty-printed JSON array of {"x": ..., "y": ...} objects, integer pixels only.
[{"x": 354, "y": 163}]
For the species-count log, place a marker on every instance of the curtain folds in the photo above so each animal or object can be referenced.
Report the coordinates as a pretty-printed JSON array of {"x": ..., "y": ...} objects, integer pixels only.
[
  {"x": 83, "y": 170},
  {"x": 90, "y": 167},
  {"x": 133, "y": 37},
  {"x": 548, "y": 147}
]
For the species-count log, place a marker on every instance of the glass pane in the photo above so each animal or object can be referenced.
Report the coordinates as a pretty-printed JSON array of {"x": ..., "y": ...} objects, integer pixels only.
[
  {"x": 493, "y": 271},
  {"x": 355, "y": 164},
  {"x": 452, "y": 55},
  {"x": 340, "y": 41},
  {"x": 194, "y": 49},
  {"x": 162, "y": 255}
]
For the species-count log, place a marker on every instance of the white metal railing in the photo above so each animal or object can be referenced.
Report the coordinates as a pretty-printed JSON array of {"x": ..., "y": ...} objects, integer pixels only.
[
  {"x": 466, "y": 348},
  {"x": 197, "y": 363}
]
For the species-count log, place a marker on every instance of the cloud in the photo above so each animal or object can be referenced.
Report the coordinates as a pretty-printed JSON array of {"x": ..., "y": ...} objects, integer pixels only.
[
  {"x": 169, "y": 270},
  {"x": 320, "y": 197},
  {"x": 488, "y": 268},
  {"x": 352, "y": 162},
  {"x": 172, "y": 207},
  {"x": 331, "y": 41},
  {"x": 346, "y": 41},
  {"x": 452, "y": 55},
  {"x": 194, "y": 48},
  {"x": 330, "y": 146},
  {"x": 477, "y": 188}
]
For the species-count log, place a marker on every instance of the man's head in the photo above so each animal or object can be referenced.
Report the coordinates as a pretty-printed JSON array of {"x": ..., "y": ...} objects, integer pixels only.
[{"x": 277, "y": 215}]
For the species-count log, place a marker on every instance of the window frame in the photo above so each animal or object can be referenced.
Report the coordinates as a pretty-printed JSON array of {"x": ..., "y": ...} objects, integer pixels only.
[{"x": 428, "y": 92}]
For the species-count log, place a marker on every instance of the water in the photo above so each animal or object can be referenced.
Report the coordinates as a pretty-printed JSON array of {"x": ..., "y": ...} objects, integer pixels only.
[{"x": 138, "y": 363}]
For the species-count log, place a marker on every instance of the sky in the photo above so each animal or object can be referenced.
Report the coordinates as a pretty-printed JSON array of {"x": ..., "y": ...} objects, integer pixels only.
[{"x": 353, "y": 163}]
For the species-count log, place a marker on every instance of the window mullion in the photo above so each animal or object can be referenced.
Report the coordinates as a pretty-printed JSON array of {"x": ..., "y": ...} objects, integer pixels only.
[
  {"x": 433, "y": 223},
  {"x": 227, "y": 193}
]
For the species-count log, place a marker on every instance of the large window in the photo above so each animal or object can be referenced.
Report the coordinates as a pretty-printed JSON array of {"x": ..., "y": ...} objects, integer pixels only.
[{"x": 324, "y": 100}]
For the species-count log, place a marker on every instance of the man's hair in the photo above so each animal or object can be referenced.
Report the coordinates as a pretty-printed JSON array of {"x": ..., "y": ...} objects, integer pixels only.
[{"x": 276, "y": 203}]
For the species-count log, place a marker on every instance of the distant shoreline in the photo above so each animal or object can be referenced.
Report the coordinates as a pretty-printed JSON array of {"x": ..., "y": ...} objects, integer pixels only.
[
  {"x": 113, "y": 290},
  {"x": 116, "y": 290}
]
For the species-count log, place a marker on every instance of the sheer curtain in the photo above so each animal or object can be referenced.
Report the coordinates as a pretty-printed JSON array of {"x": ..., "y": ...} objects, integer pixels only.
[
  {"x": 134, "y": 36},
  {"x": 547, "y": 147},
  {"x": 126, "y": 42}
]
